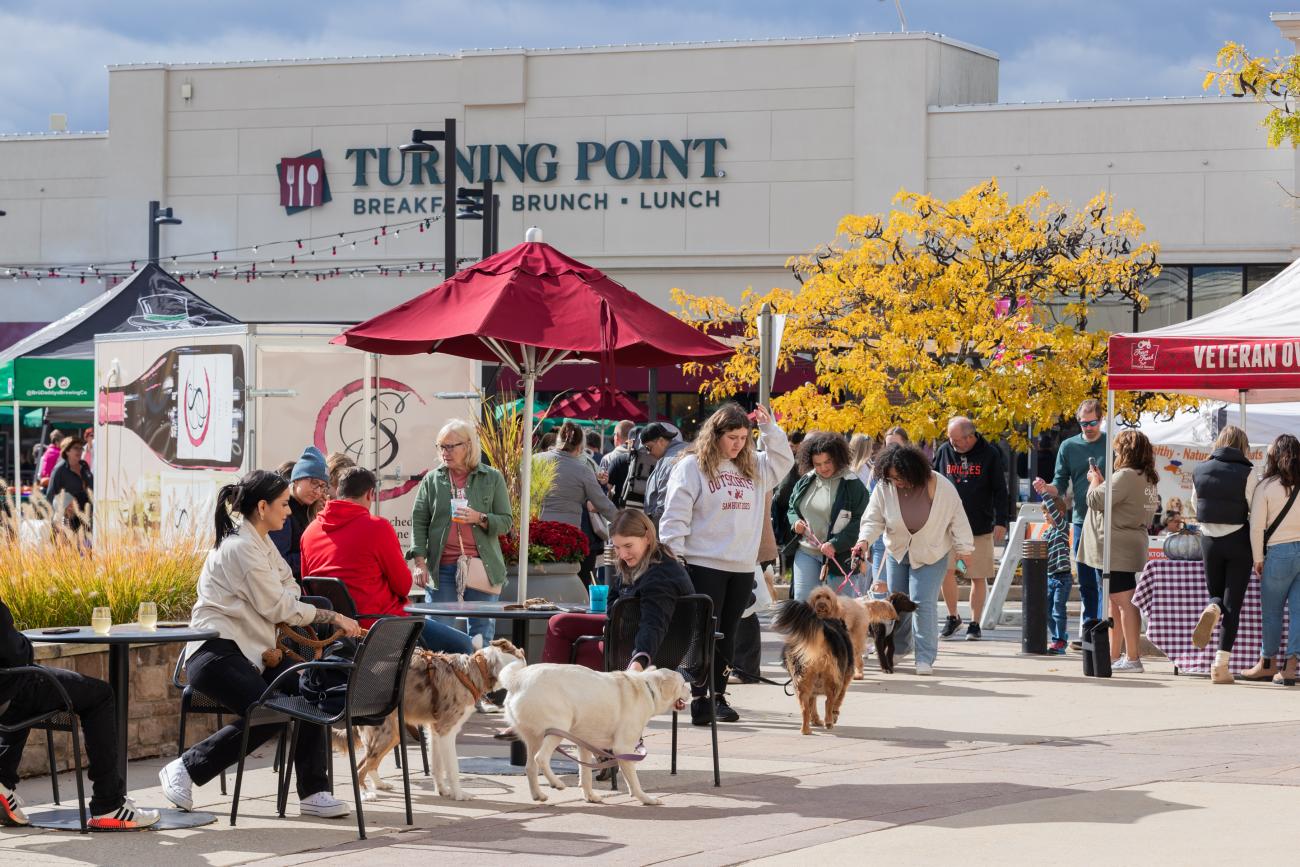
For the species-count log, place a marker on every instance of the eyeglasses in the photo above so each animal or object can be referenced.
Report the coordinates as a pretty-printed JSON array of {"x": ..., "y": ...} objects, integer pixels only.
[
  {"x": 449, "y": 447},
  {"x": 1093, "y": 423},
  {"x": 316, "y": 484}
]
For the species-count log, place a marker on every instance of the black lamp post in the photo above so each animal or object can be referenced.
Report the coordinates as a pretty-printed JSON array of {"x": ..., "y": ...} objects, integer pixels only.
[
  {"x": 158, "y": 217},
  {"x": 480, "y": 204},
  {"x": 419, "y": 143}
]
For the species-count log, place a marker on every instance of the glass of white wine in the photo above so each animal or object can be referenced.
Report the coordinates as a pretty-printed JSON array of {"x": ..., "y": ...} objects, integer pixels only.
[
  {"x": 101, "y": 619},
  {"x": 148, "y": 616}
]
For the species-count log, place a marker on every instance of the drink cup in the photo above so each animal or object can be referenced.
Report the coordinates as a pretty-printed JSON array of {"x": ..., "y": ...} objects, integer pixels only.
[
  {"x": 101, "y": 619},
  {"x": 148, "y": 616},
  {"x": 458, "y": 503},
  {"x": 599, "y": 596}
]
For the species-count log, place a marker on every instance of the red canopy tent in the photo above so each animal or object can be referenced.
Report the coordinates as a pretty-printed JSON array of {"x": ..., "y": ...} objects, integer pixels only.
[
  {"x": 530, "y": 308},
  {"x": 1248, "y": 351},
  {"x": 596, "y": 402}
]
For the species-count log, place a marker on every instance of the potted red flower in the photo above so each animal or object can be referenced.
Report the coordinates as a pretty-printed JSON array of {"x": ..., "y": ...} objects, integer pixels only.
[{"x": 555, "y": 552}]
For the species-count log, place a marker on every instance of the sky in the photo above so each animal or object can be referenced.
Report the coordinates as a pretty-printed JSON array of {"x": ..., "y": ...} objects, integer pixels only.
[{"x": 55, "y": 52}]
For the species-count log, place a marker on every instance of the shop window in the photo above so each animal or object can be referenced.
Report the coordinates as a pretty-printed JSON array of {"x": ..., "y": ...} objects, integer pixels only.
[
  {"x": 1214, "y": 286},
  {"x": 1167, "y": 299},
  {"x": 1258, "y": 275}
]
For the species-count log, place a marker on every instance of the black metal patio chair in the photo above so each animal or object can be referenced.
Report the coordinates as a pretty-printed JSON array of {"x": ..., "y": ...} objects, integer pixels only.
[
  {"x": 63, "y": 719},
  {"x": 375, "y": 682}
]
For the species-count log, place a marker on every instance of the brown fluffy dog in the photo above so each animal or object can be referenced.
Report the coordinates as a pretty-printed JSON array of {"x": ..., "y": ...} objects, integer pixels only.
[
  {"x": 818, "y": 654},
  {"x": 881, "y": 618},
  {"x": 829, "y": 604},
  {"x": 441, "y": 690}
]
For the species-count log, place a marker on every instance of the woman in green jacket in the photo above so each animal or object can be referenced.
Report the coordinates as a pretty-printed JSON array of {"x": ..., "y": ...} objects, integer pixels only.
[
  {"x": 481, "y": 517},
  {"x": 825, "y": 509}
]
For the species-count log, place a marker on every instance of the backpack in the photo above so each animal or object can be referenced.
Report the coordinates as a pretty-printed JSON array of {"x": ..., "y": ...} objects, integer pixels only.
[{"x": 327, "y": 688}]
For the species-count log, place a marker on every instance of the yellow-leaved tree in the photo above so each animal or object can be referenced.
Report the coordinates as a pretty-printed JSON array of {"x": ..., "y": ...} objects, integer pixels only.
[
  {"x": 974, "y": 306},
  {"x": 1272, "y": 80}
]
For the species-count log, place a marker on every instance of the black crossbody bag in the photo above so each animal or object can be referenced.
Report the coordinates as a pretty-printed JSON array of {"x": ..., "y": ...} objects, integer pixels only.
[{"x": 1277, "y": 522}]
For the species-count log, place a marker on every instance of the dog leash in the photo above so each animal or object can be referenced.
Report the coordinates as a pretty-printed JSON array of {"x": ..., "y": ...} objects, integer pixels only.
[
  {"x": 605, "y": 758},
  {"x": 847, "y": 582}
]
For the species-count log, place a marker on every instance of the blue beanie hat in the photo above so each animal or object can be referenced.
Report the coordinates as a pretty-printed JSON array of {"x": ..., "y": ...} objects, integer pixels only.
[{"x": 310, "y": 466}]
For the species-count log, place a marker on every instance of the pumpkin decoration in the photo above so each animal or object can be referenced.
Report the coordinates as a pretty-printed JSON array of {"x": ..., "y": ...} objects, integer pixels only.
[{"x": 1184, "y": 545}]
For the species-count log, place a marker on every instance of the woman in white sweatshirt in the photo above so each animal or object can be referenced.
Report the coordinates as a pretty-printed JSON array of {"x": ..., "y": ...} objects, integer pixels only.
[
  {"x": 713, "y": 518},
  {"x": 921, "y": 517},
  {"x": 1275, "y": 543}
]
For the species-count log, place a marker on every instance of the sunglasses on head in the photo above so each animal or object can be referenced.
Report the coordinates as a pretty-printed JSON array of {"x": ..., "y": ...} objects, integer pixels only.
[{"x": 1092, "y": 423}]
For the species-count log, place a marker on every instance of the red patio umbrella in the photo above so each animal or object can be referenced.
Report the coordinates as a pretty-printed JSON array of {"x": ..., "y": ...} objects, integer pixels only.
[
  {"x": 596, "y": 402},
  {"x": 530, "y": 308}
]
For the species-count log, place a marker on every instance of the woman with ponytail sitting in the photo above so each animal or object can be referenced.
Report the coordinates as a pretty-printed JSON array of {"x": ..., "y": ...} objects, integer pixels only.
[{"x": 245, "y": 589}]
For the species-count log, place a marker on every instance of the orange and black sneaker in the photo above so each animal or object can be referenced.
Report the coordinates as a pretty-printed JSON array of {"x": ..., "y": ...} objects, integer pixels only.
[
  {"x": 127, "y": 817},
  {"x": 11, "y": 809}
]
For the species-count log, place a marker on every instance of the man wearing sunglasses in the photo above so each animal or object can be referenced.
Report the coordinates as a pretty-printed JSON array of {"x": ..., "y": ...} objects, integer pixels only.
[{"x": 1072, "y": 463}]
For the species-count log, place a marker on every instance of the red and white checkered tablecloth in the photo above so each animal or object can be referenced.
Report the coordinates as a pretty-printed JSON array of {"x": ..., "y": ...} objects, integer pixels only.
[{"x": 1171, "y": 595}]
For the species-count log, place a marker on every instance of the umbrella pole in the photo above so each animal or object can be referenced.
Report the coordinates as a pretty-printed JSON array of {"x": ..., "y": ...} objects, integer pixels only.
[
  {"x": 1241, "y": 400},
  {"x": 526, "y": 466}
]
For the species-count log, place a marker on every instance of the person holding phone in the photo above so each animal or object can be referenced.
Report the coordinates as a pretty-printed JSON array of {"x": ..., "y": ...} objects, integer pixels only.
[{"x": 1076, "y": 456}]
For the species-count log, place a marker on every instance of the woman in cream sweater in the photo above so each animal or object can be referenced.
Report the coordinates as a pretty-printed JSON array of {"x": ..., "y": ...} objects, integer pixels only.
[
  {"x": 1134, "y": 501},
  {"x": 245, "y": 589},
  {"x": 921, "y": 517},
  {"x": 1277, "y": 558}
]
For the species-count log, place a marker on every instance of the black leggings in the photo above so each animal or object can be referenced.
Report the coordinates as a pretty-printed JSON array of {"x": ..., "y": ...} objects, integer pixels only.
[
  {"x": 730, "y": 593},
  {"x": 1228, "y": 563},
  {"x": 220, "y": 671}
]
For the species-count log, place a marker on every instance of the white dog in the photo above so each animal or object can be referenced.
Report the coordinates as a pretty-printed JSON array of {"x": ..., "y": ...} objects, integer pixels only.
[{"x": 606, "y": 709}]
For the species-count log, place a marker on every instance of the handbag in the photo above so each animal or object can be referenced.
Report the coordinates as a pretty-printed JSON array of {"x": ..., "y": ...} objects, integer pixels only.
[
  {"x": 1277, "y": 522},
  {"x": 471, "y": 573}
]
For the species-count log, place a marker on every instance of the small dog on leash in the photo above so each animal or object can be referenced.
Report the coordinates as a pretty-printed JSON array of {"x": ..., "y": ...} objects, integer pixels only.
[
  {"x": 829, "y": 604},
  {"x": 818, "y": 654},
  {"x": 441, "y": 691},
  {"x": 608, "y": 710},
  {"x": 881, "y": 617}
]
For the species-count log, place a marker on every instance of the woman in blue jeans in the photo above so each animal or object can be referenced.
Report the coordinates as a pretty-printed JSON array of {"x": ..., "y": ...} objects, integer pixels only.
[
  {"x": 1275, "y": 544},
  {"x": 461, "y": 510},
  {"x": 920, "y": 515}
]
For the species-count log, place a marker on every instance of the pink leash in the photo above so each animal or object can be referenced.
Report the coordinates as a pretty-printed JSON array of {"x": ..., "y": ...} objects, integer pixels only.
[
  {"x": 605, "y": 758},
  {"x": 847, "y": 582}
]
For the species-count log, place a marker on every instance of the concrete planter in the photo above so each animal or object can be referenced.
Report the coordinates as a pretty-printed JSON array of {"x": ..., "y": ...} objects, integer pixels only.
[{"x": 558, "y": 582}]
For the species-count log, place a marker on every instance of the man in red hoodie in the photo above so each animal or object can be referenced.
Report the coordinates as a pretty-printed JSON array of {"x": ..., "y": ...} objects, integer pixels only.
[{"x": 361, "y": 550}]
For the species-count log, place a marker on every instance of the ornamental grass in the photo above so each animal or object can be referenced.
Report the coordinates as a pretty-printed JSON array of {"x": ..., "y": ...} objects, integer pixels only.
[{"x": 53, "y": 576}]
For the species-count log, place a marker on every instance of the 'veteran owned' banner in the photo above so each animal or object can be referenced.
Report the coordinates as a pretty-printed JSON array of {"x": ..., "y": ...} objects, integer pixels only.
[{"x": 1198, "y": 364}]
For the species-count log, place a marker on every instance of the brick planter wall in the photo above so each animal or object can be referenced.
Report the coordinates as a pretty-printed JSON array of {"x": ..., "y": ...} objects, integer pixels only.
[{"x": 155, "y": 704}]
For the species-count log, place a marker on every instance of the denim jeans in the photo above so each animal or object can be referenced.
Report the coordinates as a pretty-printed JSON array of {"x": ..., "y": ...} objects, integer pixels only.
[
  {"x": 1089, "y": 581},
  {"x": 922, "y": 584},
  {"x": 446, "y": 592},
  {"x": 1058, "y": 595},
  {"x": 441, "y": 638},
  {"x": 807, "y": 576},
  {"x": 1279, "y": 587}
]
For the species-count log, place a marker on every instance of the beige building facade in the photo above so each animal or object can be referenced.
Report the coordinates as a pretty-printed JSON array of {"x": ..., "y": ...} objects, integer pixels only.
[{"x": 702, "y": 166}]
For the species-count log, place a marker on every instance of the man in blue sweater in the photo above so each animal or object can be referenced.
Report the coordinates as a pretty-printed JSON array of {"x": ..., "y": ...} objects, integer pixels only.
[{"x": 1072, "y": 462}]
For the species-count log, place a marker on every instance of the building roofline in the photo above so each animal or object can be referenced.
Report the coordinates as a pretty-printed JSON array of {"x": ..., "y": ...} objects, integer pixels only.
[
  {"x": 578, "y": 49},
  {"x": 1137, "y": 101}
]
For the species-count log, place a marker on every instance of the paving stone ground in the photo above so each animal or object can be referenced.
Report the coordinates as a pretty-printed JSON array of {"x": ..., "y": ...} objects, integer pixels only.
[{"x": 999, "y": 757}]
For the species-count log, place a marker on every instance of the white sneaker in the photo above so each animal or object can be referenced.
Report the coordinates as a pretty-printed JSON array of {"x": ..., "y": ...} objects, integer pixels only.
[
  {"x": 924, "y": 669},
  {"x": 324, "y": 805},
  {"x": 485, "y": 705},
  {"x": 1126, "y": 664},
  {"x": 177, "y": 785},
  {"x": 11, "y": 809},
  {"x": 124, "y": 818}
]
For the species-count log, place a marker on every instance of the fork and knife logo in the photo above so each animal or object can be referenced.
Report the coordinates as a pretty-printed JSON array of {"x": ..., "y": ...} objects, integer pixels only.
[{"x": 302, "y": 182}]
